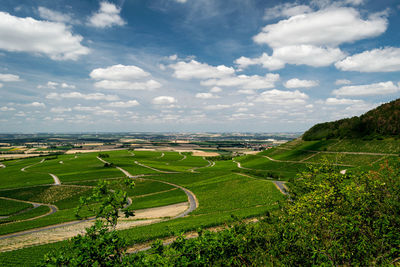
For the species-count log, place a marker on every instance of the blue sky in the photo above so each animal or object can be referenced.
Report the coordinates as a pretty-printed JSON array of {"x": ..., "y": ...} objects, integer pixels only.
[{"x": 194, "y": 65}]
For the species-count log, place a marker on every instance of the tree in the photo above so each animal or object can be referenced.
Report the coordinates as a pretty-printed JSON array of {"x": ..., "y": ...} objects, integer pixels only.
[{"x": 100, "y": 245}]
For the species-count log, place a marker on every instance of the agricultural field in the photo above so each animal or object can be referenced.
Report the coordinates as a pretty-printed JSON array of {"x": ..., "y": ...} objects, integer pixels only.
[
  {"x": 242, "y": 187},
  {"x": 219, "y": 189}
]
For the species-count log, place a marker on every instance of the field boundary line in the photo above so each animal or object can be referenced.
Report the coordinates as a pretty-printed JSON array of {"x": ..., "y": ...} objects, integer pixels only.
[{"x": 151, "y": 168}]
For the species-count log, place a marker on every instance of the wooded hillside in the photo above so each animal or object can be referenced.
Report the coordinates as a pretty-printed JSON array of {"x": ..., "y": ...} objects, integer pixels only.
[{"x": 380, "y": 122}]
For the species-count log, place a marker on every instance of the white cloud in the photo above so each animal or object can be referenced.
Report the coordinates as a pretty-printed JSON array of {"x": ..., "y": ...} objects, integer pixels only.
[
  {"x": 36, "y": 105},
  {"x": 1, "y": 85},
  {"x": 7, "y": 109},
  {"x": 286, "y": 10},
  {"x": 342, "y": 101},
  {"x": 376, "y": 60},
  {"x": 119, "y": 72},
  {"x": 121, "y": 104},
  {"x": 245, "y": 81},
  {"x": 296, "y": 54},
  {"x": 215, "y": 89},
  {"x": 9, "y": 77},
  {"x": 342, "y": 82},
  {"x": 173, "y": 57},
  {"x": 54, "y": 85},
  {"x": 60, "y": 110},
  {"x": 123, "y": 77},
  {"x": 181, "y": 1},
  {"x": 327, "y": 27},
  {"x": 52, "y": 15},
  {"x": 206, "y": 95},
  {"x": 313, "y": 38},
  {"x": 107, "y": 16},
  {"x": 296, "y": 83},
  {"x": 77, "y": 95},
  {"x": 69, "y": 86},
  {"x": 217, "y": 107},
  {"x": 381, "y": 88},
  {"x": 128, "y": 85},
  {"x": 193, "y": 69},
  {"x": 42, "y": 37},
  {"x": 278, "y": 97},
  {"x": 268, "y": 62},
  {"x": 164, "y": 100}
]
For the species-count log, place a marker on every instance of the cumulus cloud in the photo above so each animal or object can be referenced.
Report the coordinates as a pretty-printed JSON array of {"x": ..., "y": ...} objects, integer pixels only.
[
  {"x": 312, "y": 38},
  {"x": 215, "y": 89},
  {"x": 52, "y": 15},
  {"x": 278, "y": 97},
  {"x": 164, "y": 100},
  {"x": 36, "y": 105},
  {"x": 128, "y": 85},
  {"x": 376, "y": 60},
  {"x": 217, "y": 107},
  {"x": 60, "y": 110},
  {"x": 121, "y": 104},
  {"x": 7, "y": 108},
  {"x": 119, "y": 72},
  {"x": 331, "y": 26},
  {"x": 78, "y": 95},
  {"x": 123, "y": 77},
  {"x": 342, "y": 101},
  {"x": 296, "y": 83},
  {"x": 193, "y": 69},
  {"x": 342, "y": 82},
  {"x": 245, "y": 81},
  {"x": 206, "y": 95},
  {"x": 295, "y": 54},
  {"x": 54, "y": 85},
  {"x": 42, "y": 37},
  {"x": 107, "y": 16},
  {"x": 381, "y": 88},
  {"x": 9, "y": 77}
]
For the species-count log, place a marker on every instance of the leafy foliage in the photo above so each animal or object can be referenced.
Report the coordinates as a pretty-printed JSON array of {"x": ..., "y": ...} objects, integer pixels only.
[
  {"x": 100, "y": 245},
  {"x": 381, "y": 121},
  {"x": 331, "y": 219}
]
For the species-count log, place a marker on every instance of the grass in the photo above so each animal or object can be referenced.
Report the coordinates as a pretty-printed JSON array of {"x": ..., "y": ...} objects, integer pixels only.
[
  {"x": 159, "y": 199},
  {"x": 8, "y": 207},
  {"x": 27, "y": 215},
  {"x": 64, "y": 197},
  {"x": 13, "y": 177}
]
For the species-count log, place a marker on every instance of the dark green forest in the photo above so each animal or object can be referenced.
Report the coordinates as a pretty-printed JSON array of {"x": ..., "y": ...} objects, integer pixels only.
[{"x": 383, "y": 121}]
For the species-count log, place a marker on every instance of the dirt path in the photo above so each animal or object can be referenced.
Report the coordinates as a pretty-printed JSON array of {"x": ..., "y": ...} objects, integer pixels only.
[
  {"x": 24, "y": 168},
  {"x": 55, "y": 178},
  {"x": 67, "y": 230},
  {"x": 293, "y": 161},
  {"x": 193, "y": 202},
  {"x": 184, "y": 156},
  {"x": 280, "y": 185},
  {"x": 210, "y": 164}
]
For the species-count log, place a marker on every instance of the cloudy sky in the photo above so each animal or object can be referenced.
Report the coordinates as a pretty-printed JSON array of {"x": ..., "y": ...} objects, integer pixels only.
[{"x": 194, "y": 65}]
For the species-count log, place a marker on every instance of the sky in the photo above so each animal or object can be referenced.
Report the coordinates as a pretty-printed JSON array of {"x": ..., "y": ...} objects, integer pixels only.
[{"x": 194, "y": 65}]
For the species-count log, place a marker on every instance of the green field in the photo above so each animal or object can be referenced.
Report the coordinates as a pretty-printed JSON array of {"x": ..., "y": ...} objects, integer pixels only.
[
  {"x": 9, "y": 207},
  {"x": 220, "y": 192}
]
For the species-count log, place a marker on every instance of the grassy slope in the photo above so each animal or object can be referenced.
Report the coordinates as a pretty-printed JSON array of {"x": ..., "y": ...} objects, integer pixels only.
[{"x": 309, "y": 152}]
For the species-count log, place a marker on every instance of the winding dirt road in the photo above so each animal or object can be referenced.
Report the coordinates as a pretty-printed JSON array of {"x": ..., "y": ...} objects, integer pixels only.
[
  {"x": 55, "y": 178},
  {"x": 193, "y": 202}
]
